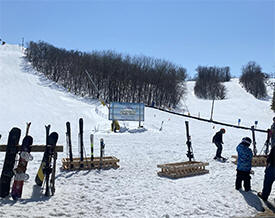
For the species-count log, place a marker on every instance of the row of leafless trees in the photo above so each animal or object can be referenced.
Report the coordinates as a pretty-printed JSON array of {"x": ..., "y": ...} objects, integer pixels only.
[
  {"x": 253, "y": 80},
  {"x": 116, "y": 77},
  {"x": 209, "y": 82}
]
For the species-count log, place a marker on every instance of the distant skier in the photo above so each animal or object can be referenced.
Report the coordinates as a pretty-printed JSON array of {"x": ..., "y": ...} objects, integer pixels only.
[
  {"x": 272, "y": 129},
  {"x": 269, "y": 177},
  {"x": 244, "y": 164},
  {"x": 217, "y": 140}
]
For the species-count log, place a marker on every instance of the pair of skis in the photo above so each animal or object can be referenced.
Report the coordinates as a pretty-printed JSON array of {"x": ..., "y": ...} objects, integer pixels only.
[
  {"x": 19, "y": 172},
  {"x": 47, "y": 169},
  {"x": 81, "y": 145},
  {"x": 69, "y": 143}
]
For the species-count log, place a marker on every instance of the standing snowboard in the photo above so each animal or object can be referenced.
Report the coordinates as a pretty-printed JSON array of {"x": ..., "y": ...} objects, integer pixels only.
[
  {"x": 40, "y": 174},
  {"x": 7, "y": 171},
  {"x": 52, "y": 140},
  {"x": 20, "y": 171}
]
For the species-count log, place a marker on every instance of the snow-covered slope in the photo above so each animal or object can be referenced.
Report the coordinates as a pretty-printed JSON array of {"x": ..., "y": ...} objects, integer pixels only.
[{"x": 134, "y": 189}]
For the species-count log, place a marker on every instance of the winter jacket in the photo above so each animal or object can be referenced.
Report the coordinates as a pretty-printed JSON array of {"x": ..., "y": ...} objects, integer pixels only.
[
  {"x": 272, "y": 130},
  {"x": 271, "y": 158},
  {"x": 244, "y": 158},
  {"x": 218, "y": 138}
]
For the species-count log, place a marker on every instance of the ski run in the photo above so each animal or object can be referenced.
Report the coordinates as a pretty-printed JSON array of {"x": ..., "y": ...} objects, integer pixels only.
[{"x": 134, "y": 189}]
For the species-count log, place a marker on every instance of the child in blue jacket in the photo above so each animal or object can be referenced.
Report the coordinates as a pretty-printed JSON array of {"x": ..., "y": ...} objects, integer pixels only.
[{"x": 244, "y": 164}]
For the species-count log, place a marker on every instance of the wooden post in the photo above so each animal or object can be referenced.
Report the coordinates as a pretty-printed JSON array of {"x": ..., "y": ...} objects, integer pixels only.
[{"x": 212, "y": 109}]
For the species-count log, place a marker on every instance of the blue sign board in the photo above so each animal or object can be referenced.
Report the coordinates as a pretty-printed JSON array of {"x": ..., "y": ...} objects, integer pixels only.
[{"x": 126, "y": 111}]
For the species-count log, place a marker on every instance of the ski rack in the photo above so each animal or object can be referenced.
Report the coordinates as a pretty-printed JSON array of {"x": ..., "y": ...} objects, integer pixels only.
[
  {"x": 107, "y": 162},
  {"x": 257, "y": 161},
  {"x": 34, "y": 148},
  {"x": 184, "y": 169}
]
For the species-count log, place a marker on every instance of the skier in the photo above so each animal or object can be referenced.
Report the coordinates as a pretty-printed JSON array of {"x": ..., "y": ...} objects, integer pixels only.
[
  {"x": 217, "y": 140},
  {"x": 269, "y": 175},
  {"x": 272, "y": 129},
  {"x": 244, "y": 164}
]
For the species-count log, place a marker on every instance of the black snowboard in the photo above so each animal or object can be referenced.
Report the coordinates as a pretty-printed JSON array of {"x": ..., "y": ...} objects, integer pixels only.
[
  {"x": 52, "y": 140},
  {"x": 7, "y": 171}
]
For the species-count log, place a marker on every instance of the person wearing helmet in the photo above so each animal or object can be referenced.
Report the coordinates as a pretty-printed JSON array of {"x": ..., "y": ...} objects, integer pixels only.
[
  {"x": 244, "y": 164},
  {"x": 269, "y": 177},
  {"x": 217, "y": 140}
]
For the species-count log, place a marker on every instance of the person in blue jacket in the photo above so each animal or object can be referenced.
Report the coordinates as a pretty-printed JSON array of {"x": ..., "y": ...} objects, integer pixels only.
[
  {"x": 269, "y": 177},
  {"x": 244, "y": 164}
]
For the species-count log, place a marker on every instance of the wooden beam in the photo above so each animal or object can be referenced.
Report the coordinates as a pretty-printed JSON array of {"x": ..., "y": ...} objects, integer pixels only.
[{"x": 34, "y": 148}]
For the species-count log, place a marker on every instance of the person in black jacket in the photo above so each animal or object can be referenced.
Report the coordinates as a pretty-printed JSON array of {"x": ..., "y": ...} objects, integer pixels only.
[
  {"x": 269, "y": 175},
  {"x": 272, "y": 133},
  {"x": 217, "y": 140}
]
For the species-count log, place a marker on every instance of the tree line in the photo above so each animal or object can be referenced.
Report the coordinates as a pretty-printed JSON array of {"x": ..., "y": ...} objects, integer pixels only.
[
  {"x": 209, "y": 82},
  {"x": 135, "y": 79},
  {"x": 116, "y": 77},
  {"x": 253, "y": 80}
]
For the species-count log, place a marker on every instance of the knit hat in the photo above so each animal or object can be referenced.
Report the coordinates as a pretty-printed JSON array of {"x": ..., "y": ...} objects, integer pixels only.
[{"x": 246, "y": 140}]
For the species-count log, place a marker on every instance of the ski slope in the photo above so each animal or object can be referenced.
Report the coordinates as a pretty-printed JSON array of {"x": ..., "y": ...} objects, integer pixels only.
[{"x": 134, "y": 189}]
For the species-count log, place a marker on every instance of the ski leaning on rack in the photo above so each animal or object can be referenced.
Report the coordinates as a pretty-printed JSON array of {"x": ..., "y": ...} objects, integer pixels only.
[
  {"x": 254, "y": 141},
  {"x": 81, "y": 142},
  {"x": 102, "y": 147},
  {"x": 20, "y": 170},
  {"x": 69, "y": 143},
  {"x": 92, "y": 149},
  {"x": 7, "y": 171},
  {"x": 40, "y": 174},
  {"x": 189, "y": 154}
]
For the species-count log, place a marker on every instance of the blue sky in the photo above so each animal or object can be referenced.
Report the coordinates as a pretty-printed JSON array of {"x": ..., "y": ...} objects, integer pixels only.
[{"x": 187, "y": 33}]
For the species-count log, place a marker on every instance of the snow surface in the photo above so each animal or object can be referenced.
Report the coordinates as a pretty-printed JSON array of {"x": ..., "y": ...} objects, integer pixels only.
[{"x": 134, "y": 189}]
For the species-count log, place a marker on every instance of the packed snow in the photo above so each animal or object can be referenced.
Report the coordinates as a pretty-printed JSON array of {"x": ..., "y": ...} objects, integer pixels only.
[{"x": 134, "y": 189}]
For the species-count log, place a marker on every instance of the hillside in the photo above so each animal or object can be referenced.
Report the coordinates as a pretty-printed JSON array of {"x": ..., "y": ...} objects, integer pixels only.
[{"x": 134, "y": 189}]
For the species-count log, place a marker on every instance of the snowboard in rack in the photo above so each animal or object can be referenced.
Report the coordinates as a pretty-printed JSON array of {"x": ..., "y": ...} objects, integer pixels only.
[
  {"x": 108, "y": 162},
  {"x": 182, "y": 169},
  {"x": 257, "y": 161}
]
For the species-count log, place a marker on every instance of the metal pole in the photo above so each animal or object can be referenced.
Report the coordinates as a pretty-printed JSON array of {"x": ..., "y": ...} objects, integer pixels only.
[{"x": 212, "y": 109}]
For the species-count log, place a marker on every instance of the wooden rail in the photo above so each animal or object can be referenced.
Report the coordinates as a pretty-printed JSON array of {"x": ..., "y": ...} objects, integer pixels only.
[
  {"x": 107, "y": 163},
  {"x": 34, "y": 148}
]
